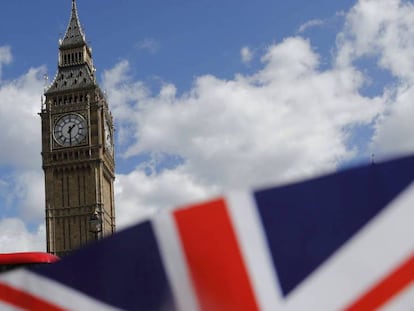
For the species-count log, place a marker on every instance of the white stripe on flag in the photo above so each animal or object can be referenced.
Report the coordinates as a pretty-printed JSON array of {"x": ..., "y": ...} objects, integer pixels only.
[
  {"x": 404, "y": 301},
  {"x": 7, "y": 307},
  {"x": 252, "y": 241},
  {"x": 362, "y": 262},
  {"x": 52, "y": 291},
  {"x": 174, "y": 262}
]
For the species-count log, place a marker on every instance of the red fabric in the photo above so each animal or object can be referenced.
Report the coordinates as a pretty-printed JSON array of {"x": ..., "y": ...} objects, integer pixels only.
[{"x": 214, "y": 258}]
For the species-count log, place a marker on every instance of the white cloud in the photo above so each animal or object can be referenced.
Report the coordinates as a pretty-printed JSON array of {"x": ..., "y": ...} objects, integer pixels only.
[
  {"x": 395, "y": 128},
  {"x": 149, "y": 44},
  {"x": 122, "y": 91},
  {"x": 246, "y": 54},
  {"x": 20, "y": 125},
  {"x": 5, "y": 57},
  {"x": 310, "y": 24},
  {"x": 384, "y": 31},
  {"x": 138, "y": 195},
  {"x": 14, "y": 237},
  {"x": 21, "y": 182},
  {"x": 285, "y": 122},
  {"x": 29, "y": 194},
  {"x": 22, "y": 193},
  {"x": 289, "y": 110}
]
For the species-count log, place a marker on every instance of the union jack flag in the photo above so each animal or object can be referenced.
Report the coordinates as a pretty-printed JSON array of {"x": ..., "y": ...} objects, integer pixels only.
[{"x": 338, "y": 242}]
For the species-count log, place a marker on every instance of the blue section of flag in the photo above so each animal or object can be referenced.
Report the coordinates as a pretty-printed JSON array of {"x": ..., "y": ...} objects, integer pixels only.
[
  {"x": 306, "y": 223},
  {"x": 125, "y": 271}
]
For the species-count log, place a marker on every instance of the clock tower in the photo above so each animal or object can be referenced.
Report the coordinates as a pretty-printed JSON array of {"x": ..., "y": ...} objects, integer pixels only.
[{"x": 77, "y": 149}]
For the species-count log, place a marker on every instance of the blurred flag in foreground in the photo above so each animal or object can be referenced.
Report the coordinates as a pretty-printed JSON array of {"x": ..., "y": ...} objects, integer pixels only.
[{"x": 339, "y": 242}]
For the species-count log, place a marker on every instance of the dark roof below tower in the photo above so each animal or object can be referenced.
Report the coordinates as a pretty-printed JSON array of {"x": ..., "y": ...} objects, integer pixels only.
[{"x": 72, "y": 78}]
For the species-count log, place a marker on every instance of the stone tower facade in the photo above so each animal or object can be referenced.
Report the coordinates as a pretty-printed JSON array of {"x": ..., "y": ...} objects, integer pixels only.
[{"x": 77, "y": 149}]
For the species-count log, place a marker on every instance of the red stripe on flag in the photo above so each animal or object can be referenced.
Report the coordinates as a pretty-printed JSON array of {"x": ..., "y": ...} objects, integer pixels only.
[
  {"x": 24, "y": 300},
  {"x": 214, "y": 258},
  {"x": 389, "y": 287}
]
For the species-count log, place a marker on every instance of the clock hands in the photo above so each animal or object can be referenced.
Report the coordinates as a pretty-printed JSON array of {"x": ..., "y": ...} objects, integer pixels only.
[
  {"x": 71, "y": 128},
  {"x": 70, "y": 133}
]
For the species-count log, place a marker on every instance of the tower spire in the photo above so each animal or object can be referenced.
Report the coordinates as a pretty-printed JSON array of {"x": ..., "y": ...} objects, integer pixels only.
[
  {"x": 75, "y": 69},
  {"x": 74, "y": 35}
]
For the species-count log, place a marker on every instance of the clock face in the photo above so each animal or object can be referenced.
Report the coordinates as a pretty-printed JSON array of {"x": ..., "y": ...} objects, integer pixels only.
[
  {"x": 70, "y": 130},
  {"x": 108, "y": 137}
]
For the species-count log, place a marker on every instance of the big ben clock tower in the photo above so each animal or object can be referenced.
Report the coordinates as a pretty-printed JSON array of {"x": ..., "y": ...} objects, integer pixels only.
[{"x": 77, "y": 149}]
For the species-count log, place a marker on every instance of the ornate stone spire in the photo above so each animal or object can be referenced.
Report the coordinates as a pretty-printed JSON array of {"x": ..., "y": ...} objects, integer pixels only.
[
  {"x": 74, "y": 35},
  {"x": 75, "y": 69}
]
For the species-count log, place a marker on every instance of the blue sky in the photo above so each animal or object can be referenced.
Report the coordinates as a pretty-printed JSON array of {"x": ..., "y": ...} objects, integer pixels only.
[
  {"x": 173, "y": 40},
  {"x": 208, "y": 96}
]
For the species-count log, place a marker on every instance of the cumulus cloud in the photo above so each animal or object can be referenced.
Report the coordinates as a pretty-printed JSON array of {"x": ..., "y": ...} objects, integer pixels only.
[
  {"x": 394, "y": 129},
  {"x": 19, "y": 105},
  {"x": 123, "y": 91},
  {"x": 21, "y": 179},
  {"x": 288, "y": 110},
  {"x": 286, "y": 121},
  {"x": 29, "y": 194},
  {"x": 139, "y": 195},
  {"x": 14, "y": 237},
  {"x": 22, "y": 193},
  {"x": 384, "y": 31}
]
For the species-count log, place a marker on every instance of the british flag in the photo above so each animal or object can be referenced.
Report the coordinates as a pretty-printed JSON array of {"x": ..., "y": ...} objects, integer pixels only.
[{"x": 338, "y": 242}]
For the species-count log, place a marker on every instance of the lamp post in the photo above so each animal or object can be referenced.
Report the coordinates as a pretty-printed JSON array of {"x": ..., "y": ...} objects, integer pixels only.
[{"x": 95, "y": 223}]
